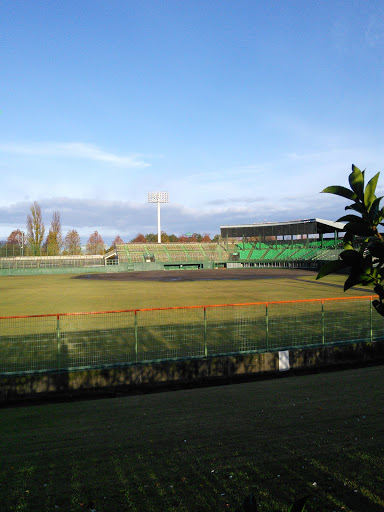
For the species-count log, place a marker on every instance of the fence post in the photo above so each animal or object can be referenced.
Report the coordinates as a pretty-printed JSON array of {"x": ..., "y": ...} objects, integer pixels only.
[
  {"x": 322, "y": 323},
  {"x": 58, "y": 342},
  {"x": 205, "y": 333},
  {"x": 136, "y": 338},
  {"x": 266, "y": 326},
  {"x": 370, "y": 321}
]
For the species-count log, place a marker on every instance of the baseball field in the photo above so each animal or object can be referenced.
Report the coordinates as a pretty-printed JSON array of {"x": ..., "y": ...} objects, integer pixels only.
[
  {"x": 53, "y": 294},
  {"x": 194, "y": 450}
]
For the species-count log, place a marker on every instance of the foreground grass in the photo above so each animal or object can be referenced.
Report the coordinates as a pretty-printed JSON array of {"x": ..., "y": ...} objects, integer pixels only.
[
  {"x": 34, "y": 295},
  {"x": 202, "y": 449}
]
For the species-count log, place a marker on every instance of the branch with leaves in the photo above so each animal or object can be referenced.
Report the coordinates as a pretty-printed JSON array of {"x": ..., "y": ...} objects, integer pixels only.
[{"x": 364, "y": 265}]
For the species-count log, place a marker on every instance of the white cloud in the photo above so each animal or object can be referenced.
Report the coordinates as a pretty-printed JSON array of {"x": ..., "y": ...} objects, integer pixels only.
[
  {"x": 73, "y": 150},
  {"x": 129, "y": 218}
]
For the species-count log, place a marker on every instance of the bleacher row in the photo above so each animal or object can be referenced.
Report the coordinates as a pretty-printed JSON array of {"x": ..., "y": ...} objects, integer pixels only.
[
  {"x": 177, "y": 252},
  {"x": 171, "y": 252},
  {"x": 314, "y": 250}
]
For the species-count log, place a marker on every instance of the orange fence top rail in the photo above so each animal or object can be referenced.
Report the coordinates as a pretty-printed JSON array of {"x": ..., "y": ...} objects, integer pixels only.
[{"x": 266, "y": 304}]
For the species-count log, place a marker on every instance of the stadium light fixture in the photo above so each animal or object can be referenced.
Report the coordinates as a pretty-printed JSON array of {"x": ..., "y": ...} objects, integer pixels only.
[{"x": 158, "y": 197}]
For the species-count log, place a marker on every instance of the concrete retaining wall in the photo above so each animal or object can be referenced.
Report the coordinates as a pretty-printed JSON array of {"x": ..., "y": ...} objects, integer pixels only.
[{"x": 186, "y": 372}]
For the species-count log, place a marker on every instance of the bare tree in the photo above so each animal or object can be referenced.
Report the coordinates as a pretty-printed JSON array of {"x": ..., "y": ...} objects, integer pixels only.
[
  {"x": 95, "y": 244},
  {"x": 72, "y": 242},
  {"x": 35, "y": 229}
]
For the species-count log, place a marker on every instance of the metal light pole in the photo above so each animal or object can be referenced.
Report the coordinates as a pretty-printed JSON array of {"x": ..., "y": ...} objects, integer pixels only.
[{"x": 158, "y": 197}]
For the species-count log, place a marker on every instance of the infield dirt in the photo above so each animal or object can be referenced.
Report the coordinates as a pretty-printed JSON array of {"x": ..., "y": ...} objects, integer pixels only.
[{"x": 232, "y": 274}]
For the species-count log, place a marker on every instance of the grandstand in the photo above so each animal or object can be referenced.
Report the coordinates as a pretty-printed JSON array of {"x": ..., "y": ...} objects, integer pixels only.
[
  {"x": 294, "y": 244},
  {"x": 172, "y": 255},
  {"x": 52, "y": 262}
]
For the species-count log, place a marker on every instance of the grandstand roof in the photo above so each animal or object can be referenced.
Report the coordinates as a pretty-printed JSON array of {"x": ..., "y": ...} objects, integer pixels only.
[{"x": 285, "y": 228}]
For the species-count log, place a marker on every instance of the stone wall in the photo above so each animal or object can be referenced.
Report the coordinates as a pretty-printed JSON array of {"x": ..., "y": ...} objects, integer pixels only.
[{"x": 148, "y": 377}]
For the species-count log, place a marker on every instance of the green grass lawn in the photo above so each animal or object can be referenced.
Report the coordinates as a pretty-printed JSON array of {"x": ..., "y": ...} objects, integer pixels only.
[
  {"x": 202, "y": 449},
  {"x": 31, "y": 344},
  {"x": 31, "y": 295}
]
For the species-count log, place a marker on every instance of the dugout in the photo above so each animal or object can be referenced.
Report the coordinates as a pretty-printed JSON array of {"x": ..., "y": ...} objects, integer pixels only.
[{"x": 284, "y": 232}]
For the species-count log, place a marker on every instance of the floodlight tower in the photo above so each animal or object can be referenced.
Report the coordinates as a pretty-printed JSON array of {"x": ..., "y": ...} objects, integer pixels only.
[{"x": 158, "y": 197}]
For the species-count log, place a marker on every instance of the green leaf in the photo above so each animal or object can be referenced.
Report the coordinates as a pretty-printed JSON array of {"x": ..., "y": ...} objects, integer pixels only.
[
  {"x": 374, "y": 213},
  {"x": 350, "y": 218},
  {"x": 363, "y": 277},
  {"x": 347, "y": 241},
  {"x": 340, "y": 191},
  {"x": 376, "y": 248},
  {"x": 369, "y": 194},
  {"x": 330, "y": 267},
  {"x": 359, "y": 228},
  {"x": 356, "y": 180},
  {"x": 357, "y": 207},
  {"x": 352, "y": 280},
  {"x": 351, "y": 257}
]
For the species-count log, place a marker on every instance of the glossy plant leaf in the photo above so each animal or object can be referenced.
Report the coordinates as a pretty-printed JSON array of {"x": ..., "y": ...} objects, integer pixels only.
[
  {"x": 330, "y": 267},
  {"x": 340, "y": 191},
  {"x": 360, "y": 229},
  {"x": 369, "y": 193},
  {"x": 348, "y": 241},
  {"x": 357, "y": 207},
  {"x": 356, "y": 180},
  {"x": 350, "y": 218},
  {"x": 351, "y": 257},
  {"x": 375, "y": 214}
]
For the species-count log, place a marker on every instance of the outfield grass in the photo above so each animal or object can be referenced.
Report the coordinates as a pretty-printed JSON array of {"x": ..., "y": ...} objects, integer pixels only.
[
  {"x": 202, "y": 449},
  {"x": 32, "y": 295},
  {"x": 31, "y": 344}
]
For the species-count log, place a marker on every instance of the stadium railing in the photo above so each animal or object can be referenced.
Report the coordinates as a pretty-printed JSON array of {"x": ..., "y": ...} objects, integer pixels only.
[{"x": 44, "y": 343}]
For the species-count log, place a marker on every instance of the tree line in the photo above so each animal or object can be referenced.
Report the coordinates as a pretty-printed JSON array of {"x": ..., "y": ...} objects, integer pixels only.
[{"x": 35, "y": 243}]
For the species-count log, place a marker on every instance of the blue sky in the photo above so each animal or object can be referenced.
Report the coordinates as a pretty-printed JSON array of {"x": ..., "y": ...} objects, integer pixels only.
[{"x": 242, "y": 110}]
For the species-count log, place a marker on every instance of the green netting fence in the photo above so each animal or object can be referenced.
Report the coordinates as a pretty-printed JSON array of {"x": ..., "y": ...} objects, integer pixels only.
[{"x": 85, "y": 340}]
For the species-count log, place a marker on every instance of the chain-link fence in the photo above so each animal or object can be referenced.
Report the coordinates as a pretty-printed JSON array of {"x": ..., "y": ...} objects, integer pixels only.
[{"x": 85, "y": 340}]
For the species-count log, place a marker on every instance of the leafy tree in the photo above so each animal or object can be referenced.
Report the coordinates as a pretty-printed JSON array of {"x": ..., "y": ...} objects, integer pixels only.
[
  {"x": 54, "y": 240},
  {"x": 140, "y": 239},
  {"x": 95, "y": 244},
  {"x": 151, "y": 238},
  {"x": 173, "y": 238},
  {"x": 16, "y": 238},
  {"x": 206, "y": 238},
  {"x": 183, "y": 239},
  {"x": 35, "y": 229},
  {"x": 216, "y": 238},
  {"x": 14, "y": 246},
  {"x": 365, "y": 264},
  {"x": 72, "y": 242},
  {"x": 117, "y": 240},
  {"x": 164, "y": 238}
]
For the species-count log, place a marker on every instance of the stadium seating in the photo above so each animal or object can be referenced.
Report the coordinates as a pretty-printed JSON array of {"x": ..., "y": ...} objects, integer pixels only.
[
  {"x": 313, "y": 249},
  {"x": 171, "y": 252}
]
